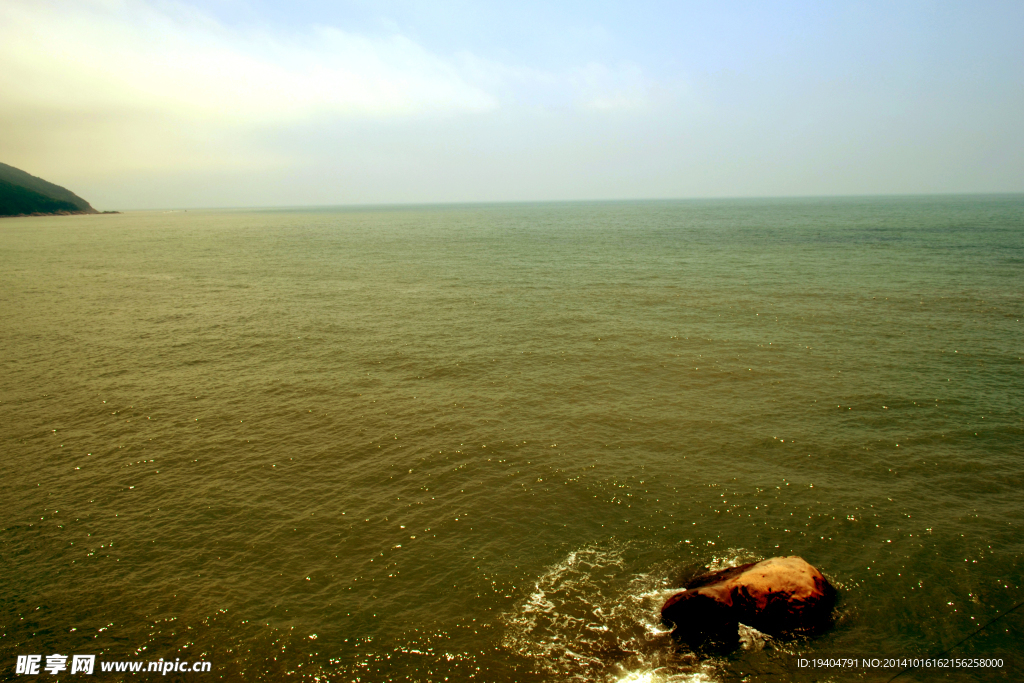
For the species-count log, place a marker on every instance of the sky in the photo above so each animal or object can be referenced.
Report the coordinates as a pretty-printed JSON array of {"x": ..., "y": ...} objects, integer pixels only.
[{"x": 137, "y": 104}]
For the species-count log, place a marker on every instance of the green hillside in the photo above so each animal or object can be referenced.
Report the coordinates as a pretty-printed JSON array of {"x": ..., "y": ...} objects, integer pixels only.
[
  {"x": 21, "y": 201},
  {"x": 24, "y": 194}
]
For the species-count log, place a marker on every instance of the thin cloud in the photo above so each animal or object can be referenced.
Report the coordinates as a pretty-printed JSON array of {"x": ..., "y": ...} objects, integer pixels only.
[
  {"x": 136, "y": 85},
  {"x": 134, "y": 56}
]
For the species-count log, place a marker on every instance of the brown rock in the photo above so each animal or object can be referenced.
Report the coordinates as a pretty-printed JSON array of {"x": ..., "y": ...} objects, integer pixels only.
[{"x": 780, "y": 596}]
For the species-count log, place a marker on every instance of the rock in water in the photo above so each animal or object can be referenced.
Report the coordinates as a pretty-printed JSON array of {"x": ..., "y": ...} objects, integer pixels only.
[{"x": 780, "y": 596}]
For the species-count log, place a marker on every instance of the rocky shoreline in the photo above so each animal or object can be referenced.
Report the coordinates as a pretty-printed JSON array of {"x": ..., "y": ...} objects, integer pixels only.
[{"x": 59, "y": 213}]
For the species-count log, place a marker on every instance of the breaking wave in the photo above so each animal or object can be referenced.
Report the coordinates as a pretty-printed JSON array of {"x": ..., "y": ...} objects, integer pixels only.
[{"x": 594, "y": 616}]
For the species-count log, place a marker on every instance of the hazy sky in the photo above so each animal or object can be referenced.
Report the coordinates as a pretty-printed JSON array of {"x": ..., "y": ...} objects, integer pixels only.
[{"x": 154, "y": 104}]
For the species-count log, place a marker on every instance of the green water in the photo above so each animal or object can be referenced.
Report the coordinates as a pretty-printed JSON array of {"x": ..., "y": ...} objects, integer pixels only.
[{"x": 485, "y": 442}]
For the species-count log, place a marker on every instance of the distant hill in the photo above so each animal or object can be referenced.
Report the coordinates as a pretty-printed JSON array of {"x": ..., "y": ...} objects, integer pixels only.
[{"x": 22, "y": 194}]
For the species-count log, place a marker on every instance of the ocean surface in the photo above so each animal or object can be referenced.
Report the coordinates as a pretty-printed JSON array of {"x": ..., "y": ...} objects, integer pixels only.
[{"x": 484, "y": 442}]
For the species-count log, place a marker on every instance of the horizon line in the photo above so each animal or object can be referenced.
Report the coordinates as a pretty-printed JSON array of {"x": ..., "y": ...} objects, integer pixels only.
[{"x": 396, "y": 205}]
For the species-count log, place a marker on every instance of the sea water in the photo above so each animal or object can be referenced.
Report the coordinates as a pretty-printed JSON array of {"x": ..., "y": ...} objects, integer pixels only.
[{"x": 485, "y": 442}]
